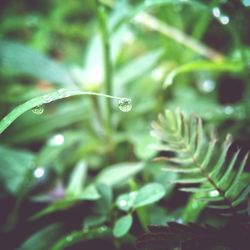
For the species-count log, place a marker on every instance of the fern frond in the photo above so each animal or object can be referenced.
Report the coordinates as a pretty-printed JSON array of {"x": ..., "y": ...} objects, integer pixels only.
[{"x": 201, "y": 160}]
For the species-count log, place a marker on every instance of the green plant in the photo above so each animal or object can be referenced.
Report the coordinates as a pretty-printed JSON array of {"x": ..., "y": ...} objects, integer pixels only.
[
  {"x": 202, "y": 161},
  {"x": 77, "y": 173}
]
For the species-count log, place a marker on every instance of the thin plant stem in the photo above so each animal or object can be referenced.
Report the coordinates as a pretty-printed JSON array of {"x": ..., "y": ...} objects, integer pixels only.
[
  {"x": 154, "y": 24},
  {"x": 141, "y": 212},
  {"x": 107, "y": 86}
]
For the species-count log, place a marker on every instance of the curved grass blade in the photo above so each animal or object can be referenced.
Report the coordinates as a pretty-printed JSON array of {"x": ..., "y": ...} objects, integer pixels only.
[
  {"x": 44, "y": 99},
  {"x": 82, "y": 235},
  {"x": 203, "y": 65}
]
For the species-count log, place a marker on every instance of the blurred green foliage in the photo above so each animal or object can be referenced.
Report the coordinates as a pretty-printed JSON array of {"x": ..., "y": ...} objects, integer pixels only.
[{"x": 68, "y": 177}]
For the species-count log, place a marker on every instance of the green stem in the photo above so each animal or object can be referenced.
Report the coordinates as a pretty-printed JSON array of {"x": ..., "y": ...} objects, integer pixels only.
[
  {"x": 107, "y": 87},
  {"x": 141, "y": 212}
]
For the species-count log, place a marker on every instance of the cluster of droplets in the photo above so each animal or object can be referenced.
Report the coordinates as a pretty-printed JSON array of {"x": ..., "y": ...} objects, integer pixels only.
[
  {"x": 124, "y": 104},
  {"x": 61, "y": 93},
  {"x": 219, "y": 16}
]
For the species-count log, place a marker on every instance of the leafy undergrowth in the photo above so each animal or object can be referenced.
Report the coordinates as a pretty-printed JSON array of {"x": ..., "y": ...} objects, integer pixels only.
[{"x": 84, "y": 161}]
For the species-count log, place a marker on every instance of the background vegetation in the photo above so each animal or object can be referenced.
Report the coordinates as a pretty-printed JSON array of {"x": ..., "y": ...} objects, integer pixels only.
[{"x": 78, "y": 172}]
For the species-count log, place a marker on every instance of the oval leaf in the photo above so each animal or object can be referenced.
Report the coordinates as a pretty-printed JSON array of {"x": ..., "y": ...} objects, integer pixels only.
[
  {"x": 122, "y": 225},
  {"x": 126, "y": 201},
  {"x": 149, "y": 194},
  {"x": 119, "y": 173}
]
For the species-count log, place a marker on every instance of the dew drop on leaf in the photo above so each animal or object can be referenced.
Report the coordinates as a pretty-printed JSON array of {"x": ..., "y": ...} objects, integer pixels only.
[
  {"x": 63, "y": 93},
  {"x": 206, "y": 86},
  {"x": 125, "y": 104},
  {"x": 123, "y": 203},
  {"x": 38, "y": 110},
  {"x": 47, "y": 99}
]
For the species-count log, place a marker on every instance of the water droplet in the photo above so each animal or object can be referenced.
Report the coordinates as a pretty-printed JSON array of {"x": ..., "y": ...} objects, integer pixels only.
[
  {"x": 207, "y": 86},
  {"x": 102, "y": 229},
  {"x": 125, "y": 104},
  {"x": 63, "y": 93},
  {"x": 56, "y": 140},
  {"x": 47, "y": 99},
  {"x": 228, "y": 110},
  {"x": 38, "y": 110},
  {"x": 39, "y": 172},
  {"x": 246, "y": 3},
  {"x": 179, "y": 220},
  {"x": 224, "y": 20},
  {"x": 123, "y": 203},
  {"x": 214, "y": 193},
  {"x": 216, "y": 12}
]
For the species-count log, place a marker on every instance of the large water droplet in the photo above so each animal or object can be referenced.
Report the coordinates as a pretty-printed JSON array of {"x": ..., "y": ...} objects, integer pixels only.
[
  {"x": 47, "y": 99},
  {"x": 38, "y": 110},
  {"x": 63, "y": 93},
  {"x": 125, "y": 104}
]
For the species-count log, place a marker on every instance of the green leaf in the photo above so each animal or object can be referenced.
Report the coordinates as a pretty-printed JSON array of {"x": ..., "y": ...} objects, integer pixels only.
[
  {"x": 89, "y": 193},
  {"x": 77, "y": 179},
  {"x": 128, "y": 73},
  {"x": 104, "y": 204},
  {"x": 122, "y": 225},
  {"x": 14, "y": 166},
  {"x": 207, "y": 162},
  {"x": 25, "y": 60},
  {"x": 43, "y": 239},
  {"x": 149, "y": 194},
  {"x": 59, "y": 205},
  {"x": 119, "y": 174}
]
